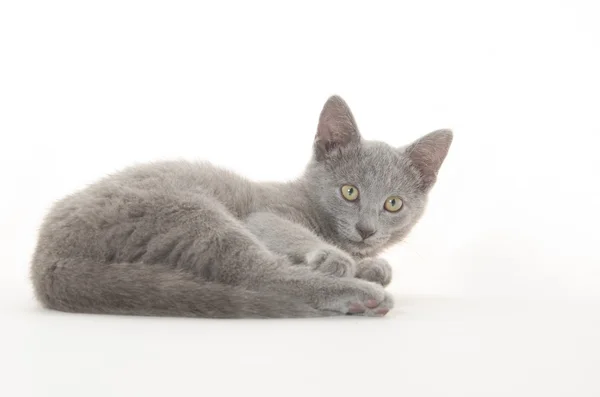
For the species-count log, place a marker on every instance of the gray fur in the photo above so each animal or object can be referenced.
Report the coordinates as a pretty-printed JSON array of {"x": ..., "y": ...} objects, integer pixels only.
[{"x": 191, "y": 239}]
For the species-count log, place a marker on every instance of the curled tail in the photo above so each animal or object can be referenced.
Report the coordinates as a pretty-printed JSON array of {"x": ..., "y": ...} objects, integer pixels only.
[{"x": 153, "y": 290}]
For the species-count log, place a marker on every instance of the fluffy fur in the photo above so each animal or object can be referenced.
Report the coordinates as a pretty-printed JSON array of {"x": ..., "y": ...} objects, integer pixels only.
[{"x": 190, "y": 239}]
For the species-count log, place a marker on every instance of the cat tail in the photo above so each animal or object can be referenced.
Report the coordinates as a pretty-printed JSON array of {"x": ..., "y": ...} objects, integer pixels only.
[{"x": 154, "y": 290}]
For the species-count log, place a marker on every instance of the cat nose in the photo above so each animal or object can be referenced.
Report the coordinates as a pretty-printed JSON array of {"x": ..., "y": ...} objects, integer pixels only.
[{"x": 365, "y": 231}]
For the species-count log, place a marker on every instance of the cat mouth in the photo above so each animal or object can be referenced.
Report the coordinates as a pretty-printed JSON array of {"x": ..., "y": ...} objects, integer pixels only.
[
  {"x": 370, "y": 242},
  {"x": 363, "y": 246}
]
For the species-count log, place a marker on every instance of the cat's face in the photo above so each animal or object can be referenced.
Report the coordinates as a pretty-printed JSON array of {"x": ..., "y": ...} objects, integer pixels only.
[{"x": 370, "y": 193}]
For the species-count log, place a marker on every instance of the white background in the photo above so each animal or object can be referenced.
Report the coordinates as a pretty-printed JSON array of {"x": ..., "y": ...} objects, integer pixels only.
[{"x": 498, "y": 288}]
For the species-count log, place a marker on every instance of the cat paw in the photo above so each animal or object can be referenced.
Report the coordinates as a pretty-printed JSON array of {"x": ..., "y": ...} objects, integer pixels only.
[
  {"x": 372, "y": 308},
  {"x": 356, "y": 297},
  {"x": 377, "y": 270},
  {"x": 331, "y": 261}
]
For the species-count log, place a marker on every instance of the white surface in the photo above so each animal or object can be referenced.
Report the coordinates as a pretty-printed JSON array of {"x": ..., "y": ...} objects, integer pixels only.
[
  {"x": 510, "y": 239},
  {"x": 428, "y": 346}
]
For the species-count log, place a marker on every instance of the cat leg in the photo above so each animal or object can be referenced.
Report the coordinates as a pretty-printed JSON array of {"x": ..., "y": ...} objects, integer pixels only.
[
  {"x": 208, "y": 241},
  {"x": 304, "y": 247},
  {"x": 300, "y": 245},
  {"x": 85, "y": 286}
]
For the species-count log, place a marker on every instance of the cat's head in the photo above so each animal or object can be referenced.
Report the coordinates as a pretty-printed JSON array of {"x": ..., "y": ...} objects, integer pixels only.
[{"x": 370, "y": 193}]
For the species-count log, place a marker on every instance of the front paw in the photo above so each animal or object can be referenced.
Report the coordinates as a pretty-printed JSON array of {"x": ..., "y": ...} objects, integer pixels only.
[
  {"x": 374, "y": 269},
  {"x": 332, "y": 261}
]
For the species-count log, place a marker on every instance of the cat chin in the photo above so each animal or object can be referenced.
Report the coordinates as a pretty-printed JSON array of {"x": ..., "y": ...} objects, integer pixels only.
[
  {"x": 363, "y": 253},
  {"x": 362, "y": 248}
]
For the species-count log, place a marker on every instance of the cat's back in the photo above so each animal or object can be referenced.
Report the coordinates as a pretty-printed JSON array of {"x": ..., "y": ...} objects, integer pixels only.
[
  {"x": 175, "y": 176},
  {"x": 137, "y": 194},
  {"x": 159, "y": 184}
]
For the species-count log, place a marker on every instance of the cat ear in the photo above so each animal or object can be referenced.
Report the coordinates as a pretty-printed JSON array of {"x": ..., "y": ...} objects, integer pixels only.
[
  {"x": 428, "y": 153},
  {"x": 337, "y": 128}
]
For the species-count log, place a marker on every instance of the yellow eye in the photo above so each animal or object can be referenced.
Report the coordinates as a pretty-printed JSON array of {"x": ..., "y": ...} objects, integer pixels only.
[
  {"x": 393, "y": 204},
  {"x": 350, "y": 192}
]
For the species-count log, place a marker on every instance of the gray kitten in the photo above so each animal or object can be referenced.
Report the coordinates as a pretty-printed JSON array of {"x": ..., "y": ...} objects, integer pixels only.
[{"x": 190, "y": 239}]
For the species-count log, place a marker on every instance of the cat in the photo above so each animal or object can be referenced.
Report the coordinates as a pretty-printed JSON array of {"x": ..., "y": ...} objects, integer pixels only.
[{"x": 191, "y": 239}]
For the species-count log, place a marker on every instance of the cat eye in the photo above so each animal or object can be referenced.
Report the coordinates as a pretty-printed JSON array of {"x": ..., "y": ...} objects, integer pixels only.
[
  {"x": 393, "y": 204},
  {"x": 350, "y": 192}
]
